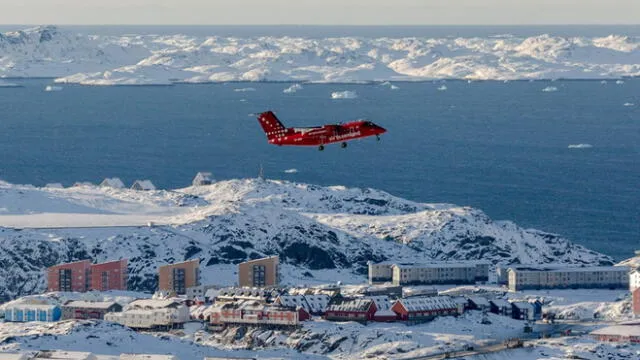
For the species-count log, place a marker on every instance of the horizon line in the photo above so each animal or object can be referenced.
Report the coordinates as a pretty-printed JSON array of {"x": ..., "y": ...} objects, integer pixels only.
[{"x": 329, "y": 25}]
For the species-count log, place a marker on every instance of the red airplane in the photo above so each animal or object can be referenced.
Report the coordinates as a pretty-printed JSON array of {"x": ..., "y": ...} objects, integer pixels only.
[{"x": 318, "y": 136}]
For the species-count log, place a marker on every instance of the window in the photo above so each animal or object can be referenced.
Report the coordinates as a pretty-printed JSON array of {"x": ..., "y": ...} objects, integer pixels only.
[
  {"x": 259, "y": 275},
  {"x": 179, "y": 285},
  {"x": 65, "y": 280},
  {"x": 104, "y": 279}
]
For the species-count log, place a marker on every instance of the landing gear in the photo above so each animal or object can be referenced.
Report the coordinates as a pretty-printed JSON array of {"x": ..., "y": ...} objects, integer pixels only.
[
  {"x": 321, "y": 147},
  {"x": 343, "y": 145},
  {"x": 378, "y": 137}
]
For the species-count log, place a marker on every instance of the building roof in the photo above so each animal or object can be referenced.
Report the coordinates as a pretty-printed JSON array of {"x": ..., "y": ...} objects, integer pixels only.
[
  {"x": 382, "y": 301},
  {"x": 567, "y": 268},
  {"x": 144, "y": 184},
  {"x": 152, "y": 304},
  {"x": 147, "y": 357},
  {"x": 619, "y": 330},
  {"x": 352, "y": 305},
  {"x": 181, "y": 263},
  {"x": 27, "y": 306},
  {"x": 115, "y": 183},
  {"x": 261, "y": 259},
  {"x": 523, "y": 305},
  {"x": 66, "y": 355},
  {"x": 427, "y": 303},
  {"x": 479, "y": 300},
  {"x": 311, "y": 303},
  {"x": 70, "y": 263},
  {"x": 91, "y": 304},
  {"x": 456, "y": 265},
  {"x": 500, "y": 303}
]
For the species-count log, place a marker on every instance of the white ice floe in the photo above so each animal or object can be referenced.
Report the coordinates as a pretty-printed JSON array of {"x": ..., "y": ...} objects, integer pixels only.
[
  {"x": 292, "y": 89},
  {"x": 619, "y": 82},
  {"x": 4, "y": 84},
  {"x": 244, "y": 89},
  {"x": 550, "y": 89},
  {"x": 393, "y": 87},
  {"x": 344, "y": 95},
  {"x": 166, "y": 59},
  {"x": 629, "y": 104},
  {"x": 53, "y": 88},
  {"x": 442, "y": 88},
  {"x": 291, "y": 171},
  {"x": 580, "y": 146}
]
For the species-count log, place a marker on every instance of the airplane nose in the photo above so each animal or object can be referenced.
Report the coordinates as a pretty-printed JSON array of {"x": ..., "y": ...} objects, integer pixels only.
[{"x": 381, "y": 130}]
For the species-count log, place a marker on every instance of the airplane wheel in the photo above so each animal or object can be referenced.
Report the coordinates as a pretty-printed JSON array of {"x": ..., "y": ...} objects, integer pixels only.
[
  {"x": 321, "y": 147},
  {"x": 343, "y": 145},
  {"x": 378, "y": 137}
]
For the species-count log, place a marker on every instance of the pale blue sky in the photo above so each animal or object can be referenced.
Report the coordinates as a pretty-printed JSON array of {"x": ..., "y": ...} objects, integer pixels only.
[{"x": 320, "y": 12}]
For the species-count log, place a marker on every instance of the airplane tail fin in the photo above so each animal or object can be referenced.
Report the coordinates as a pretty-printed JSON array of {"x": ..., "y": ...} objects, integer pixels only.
[{"x": 272, "y": 127}]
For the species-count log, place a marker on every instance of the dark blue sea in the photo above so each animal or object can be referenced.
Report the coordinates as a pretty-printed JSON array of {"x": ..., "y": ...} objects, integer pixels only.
[{"x": 500, "y": 147}]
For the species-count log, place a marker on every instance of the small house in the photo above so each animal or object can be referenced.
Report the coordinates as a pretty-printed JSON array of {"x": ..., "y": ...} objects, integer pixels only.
[
  {"x": 143, "y": 185},
  {"x": 522, "y": 311},
  {"x": 361, "y": 310},
  {"x": 202, "y": 178},
  {"x": 151, "y": 314},
  {"x": 24, "y": 312},
  {"x": 618, "y": 333},
  {"x": 501, "y": 307},
  {"x": 479, "y": 303},
  {"x": 313, "y": 304},
  {"x": 89, "y": 309},
  {"x": 114, "y": 183}
]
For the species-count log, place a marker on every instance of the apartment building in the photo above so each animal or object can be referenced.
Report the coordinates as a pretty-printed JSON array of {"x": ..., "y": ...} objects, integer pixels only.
[
  {"x": 468, "y": 272},
  {"x": 634, "y": 280},
  {"x": 81, "y": 276},
  {"x": 636, "y": 301},
  {"x": 179, "y": 277},
  {"x": 259, "y": 273},
  {"x": 566, "y": 277}
]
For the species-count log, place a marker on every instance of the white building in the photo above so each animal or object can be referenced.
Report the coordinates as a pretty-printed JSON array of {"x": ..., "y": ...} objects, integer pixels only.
[
  {"x": 567, "y": 277},
  {"x": 151, "y": 314},
  {"x": 465, "y": 272},
  {"x": 114, "y": 183},
  {"x": 202, "y": 178},
  {"x": 634, "y": 280},
  {"x": 145, "y": 185},
  {"x": 198, "y": 291}
]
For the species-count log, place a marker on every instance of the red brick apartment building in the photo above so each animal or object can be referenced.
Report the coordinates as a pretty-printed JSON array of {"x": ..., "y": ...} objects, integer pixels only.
[
  {"x": 636, "y": 301},
  {"x": 81, "y": 276}
]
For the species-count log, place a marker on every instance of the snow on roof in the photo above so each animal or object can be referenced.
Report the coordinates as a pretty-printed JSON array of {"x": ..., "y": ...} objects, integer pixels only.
[
  {"x": 567, "y": 268},
  {"x": 151, "y": 304},
  {"x": 386, "y": 312},
  {"x": 211, "y": 293},
  {"x": 66, "y": 355},
  {"x": 523, "y": 305},
  {"x": 115, "y": 183},
  {"x": 621, "y": 330},
  {"x": 311, "y": 303},
  {"x": 428, "y": 303},
  {"x": 456, "y": 265},
  {"x": 147, "y": 357},
  {"x": 382, "y": 301},
  {"x": 143, "y": 184},
  {"x": 27, "y": 306},
  {"x": 352, "y": 305},
  {"x": 500, "y": 303},
  {"x": 480, "y": 301},
  {"x": 91, "y": 304}
]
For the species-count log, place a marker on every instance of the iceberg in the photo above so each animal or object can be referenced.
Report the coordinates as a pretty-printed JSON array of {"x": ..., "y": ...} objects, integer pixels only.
[
  {"x": 344, "y": 95},
  {"x": 292, "y": 89},
  {"x": 580, "y": 146},
  {"x": 550, "y": 89},
  {"x": 244, "y": 89},
  {"x": 629, "y": 104},
  {"x": 291, "y": 171},
  {"x": 4, "y": 84},
  {"x": 53, "y": 88},
  {"x": 442, "y": 88}
]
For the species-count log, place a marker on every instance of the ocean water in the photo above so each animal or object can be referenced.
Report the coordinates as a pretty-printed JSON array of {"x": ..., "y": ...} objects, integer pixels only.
[{"x": 501, "y": 147}]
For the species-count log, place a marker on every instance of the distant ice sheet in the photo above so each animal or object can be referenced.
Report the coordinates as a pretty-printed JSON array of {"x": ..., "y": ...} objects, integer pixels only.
[
  {"x": 550, "y": 89},
  {"x": 292, "y": 89},
  {"x": 166, "y": 59},
  {"x": 344, "y": 95},
  {"x": 580, "y": 146}
]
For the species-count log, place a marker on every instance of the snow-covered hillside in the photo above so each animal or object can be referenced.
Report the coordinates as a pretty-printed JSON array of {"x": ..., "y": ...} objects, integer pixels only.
[
  {"x": 155, "y": 59},
  {"x": 327, "y": 231}
]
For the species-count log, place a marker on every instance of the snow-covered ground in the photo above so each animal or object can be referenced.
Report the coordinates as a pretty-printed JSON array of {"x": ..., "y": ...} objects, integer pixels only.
[{"x": 166, "y": 59}]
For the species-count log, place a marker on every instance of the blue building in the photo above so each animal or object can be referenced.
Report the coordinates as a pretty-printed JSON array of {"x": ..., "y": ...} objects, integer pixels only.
[{"x": 32, "y": 312}]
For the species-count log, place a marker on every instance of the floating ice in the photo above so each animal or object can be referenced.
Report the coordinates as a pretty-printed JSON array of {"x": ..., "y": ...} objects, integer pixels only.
[
  {"x": 580, "y": 146},
  {"x": 628, "y": 104},
  {"x": 390, "y": 85},
  {"x": 393, "y": 87},
  {"x": 4, "y": 84},
  {"x": 550, "y": 89},
  {"x": 603, "y": 82},
  {"x": 244, "y": 89},
  {"x": 344, "y": 95},
  {"x": 53, "y": 88},
  {"x": 291, "y": 171},
  {"x": 619, "y": 82},
  {"x": 442, "y": 88},
  {"x": 293, "y": 88}
]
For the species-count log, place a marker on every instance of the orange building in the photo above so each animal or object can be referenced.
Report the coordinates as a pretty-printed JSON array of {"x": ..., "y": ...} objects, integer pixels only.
[
  {"x": 178, "y": 277},
  {"x": 75, "y": 276},
  {"x": 109, "y": 276},
  {"x": 81, "y": 276},
  {"x": 259, "y": 273}
]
